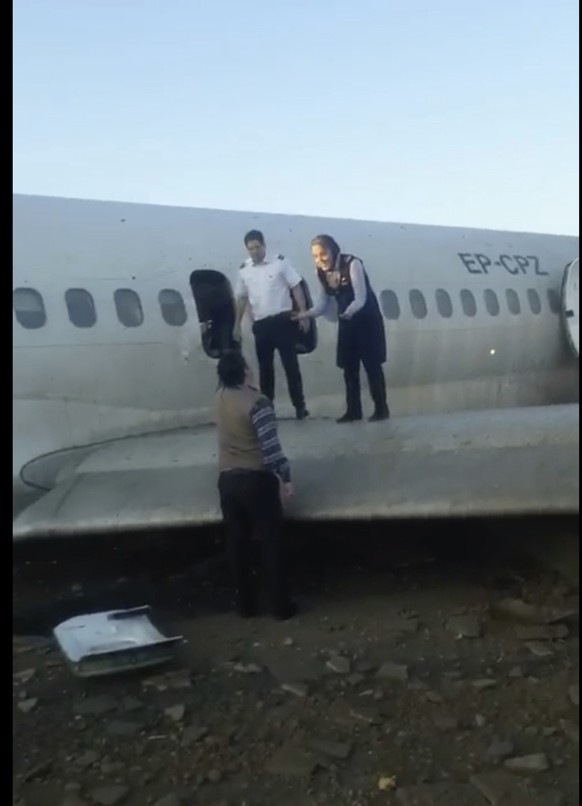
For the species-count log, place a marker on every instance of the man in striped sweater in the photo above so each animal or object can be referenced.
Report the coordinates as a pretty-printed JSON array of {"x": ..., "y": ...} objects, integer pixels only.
[{"x": 254, "y": 477}]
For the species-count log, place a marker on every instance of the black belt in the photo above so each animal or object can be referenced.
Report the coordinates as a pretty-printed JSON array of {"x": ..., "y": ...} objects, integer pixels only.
[{"x": 283, "y": 314}]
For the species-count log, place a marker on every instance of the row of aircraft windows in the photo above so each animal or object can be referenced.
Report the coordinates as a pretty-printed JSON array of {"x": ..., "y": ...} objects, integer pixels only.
[
  {"x": 31, "y": 314},
  {"x": 419, "y": 308}
]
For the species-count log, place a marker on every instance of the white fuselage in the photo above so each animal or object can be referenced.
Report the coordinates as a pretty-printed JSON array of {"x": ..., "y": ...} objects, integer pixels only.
[{"x": 77, "y": 386}]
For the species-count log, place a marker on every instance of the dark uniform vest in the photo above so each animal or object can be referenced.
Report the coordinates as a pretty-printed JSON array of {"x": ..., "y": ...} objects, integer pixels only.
[
  {"x": 238, "y": 444},
  {"x": 361, "y": 338},
  {"x": 344, "y": 293}
]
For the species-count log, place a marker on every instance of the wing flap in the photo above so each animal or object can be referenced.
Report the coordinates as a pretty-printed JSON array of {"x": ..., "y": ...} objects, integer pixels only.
[{"x": 522, "y": 461}]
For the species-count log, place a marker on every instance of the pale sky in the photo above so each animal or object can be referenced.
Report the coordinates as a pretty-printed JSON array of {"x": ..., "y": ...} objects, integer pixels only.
[{"x": 455, "y": 112}]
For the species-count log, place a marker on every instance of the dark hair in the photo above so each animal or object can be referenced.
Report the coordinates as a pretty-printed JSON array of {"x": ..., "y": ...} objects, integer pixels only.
[
  {"x": 327, "y": 242},
  {"x": 231, "y": 369},
  {"x": 254, "y": 235}
]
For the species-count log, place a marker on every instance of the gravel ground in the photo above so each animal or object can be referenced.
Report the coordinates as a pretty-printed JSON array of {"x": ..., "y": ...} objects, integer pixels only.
[{"x": 420, "y": 671}]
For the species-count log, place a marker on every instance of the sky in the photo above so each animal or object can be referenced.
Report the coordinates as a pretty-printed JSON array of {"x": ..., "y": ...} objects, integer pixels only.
[{"x": 450, "y": 112}]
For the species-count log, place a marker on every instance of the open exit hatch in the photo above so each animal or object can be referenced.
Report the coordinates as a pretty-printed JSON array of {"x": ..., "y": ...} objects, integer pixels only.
[
  {"x": 215, "y": 307},
  {"x": 214, "y": 302},
  {"x": 571, "y": 305}
]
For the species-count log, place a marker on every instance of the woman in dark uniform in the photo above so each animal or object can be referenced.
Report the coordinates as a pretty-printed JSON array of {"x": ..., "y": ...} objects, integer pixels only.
[{"x": 361, "y": 334}]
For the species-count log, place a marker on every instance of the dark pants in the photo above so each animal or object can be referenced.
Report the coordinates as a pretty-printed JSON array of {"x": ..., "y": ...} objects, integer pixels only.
[
  {"x": 278, "y": 333},
  {"x": 376, "y": 382},
  {"x": 251, "y": 508}
]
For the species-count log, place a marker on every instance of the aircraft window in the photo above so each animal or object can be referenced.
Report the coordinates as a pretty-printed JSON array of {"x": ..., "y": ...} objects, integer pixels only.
[
  {"x": 80, "y": 307},
  {"x": 29, "y": 308},
  {"x": 390, "y": 304},
  {"x": 468, "y": 303},
  {"x": 513, "y": 303},
  {"x": 128, "y": 306},
  {"x": 554, "y": 301},
  {"x": 418, "y": 304},
  {"x": 444, "y": 304},
  {"x": 534, "y": 300},
  {"x": 172, "y": 307},
  {"x": 491, "y": 302}
]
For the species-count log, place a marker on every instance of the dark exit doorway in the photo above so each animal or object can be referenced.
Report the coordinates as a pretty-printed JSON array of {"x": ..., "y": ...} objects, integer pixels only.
[
  {"x": 215, "y": 306},
  {"x": 214, "y": 302}
]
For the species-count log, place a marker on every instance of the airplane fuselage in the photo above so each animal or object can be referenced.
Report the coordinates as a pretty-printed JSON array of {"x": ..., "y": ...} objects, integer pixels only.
[{"x": 474, "y": 319}]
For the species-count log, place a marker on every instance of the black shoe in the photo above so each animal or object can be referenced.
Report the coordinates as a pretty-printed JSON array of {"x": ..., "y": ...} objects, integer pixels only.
[
  {"x": 349, "y": 418},
  {"x": 286, "y": 612},
  {"x": 378, "y": 416},
  {"x": 302, "y": 414}
]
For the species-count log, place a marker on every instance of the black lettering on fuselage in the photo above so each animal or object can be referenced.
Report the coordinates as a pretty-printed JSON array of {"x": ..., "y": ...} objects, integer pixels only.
[
  {"x": 522, "y": 262},
  {"x": 505, "y": 260},
  {"x": 469, "y": 261},
  {"x": 484, "y": 262},
  {"x": 478, "y": 263},
  {"x": 535, "y": 260}
]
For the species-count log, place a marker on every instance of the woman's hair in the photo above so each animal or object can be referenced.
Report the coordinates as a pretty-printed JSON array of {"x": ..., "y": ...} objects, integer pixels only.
[
  {"x": 232, "y": 370},
  {"x": 328, "y": 243}
]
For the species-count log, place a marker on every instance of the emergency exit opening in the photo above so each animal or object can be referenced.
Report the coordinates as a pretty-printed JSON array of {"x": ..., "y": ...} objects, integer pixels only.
[
  {"x": 571, "y": 305},
  {"x": 215, "y": 307},
  {"x": 214, "y": 302}
]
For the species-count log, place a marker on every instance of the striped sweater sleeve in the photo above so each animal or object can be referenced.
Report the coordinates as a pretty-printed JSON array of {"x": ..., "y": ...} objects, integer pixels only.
[{"x": 265, "y": 424}]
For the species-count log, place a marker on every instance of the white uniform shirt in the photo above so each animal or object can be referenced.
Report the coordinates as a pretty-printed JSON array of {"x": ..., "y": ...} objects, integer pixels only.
[{"x": 267, "y": 286}]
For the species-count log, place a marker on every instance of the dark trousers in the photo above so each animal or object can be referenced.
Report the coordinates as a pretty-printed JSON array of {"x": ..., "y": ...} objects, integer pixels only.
[
  {"x": 251, "y": 508},
  {"x": 376, "y": 382},
  {"x": 278, "y": 333}
]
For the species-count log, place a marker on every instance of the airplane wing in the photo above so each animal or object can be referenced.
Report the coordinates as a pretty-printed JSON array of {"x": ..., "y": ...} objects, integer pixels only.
[{"x": 499, "y": 462}]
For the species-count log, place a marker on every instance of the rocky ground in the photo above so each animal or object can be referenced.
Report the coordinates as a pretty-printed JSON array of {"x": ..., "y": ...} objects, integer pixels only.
[{"x": 414, "y": 675}]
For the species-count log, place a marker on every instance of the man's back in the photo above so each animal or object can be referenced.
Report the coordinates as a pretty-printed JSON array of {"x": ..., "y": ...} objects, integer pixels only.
[{"x": 238, "y": 443}]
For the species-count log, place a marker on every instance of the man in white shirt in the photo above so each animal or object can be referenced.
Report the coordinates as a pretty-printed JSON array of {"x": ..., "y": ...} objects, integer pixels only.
[{"x": 268, "y": 285}]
